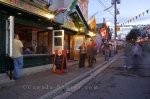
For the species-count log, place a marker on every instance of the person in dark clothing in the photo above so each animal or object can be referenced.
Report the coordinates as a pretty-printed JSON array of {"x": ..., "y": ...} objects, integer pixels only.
[
  {"x": 95, "y": 53},
  {"x": 82, "y": 55},
  {"x": 27, "y": 51},
  {"x": 106, "y": 49}
]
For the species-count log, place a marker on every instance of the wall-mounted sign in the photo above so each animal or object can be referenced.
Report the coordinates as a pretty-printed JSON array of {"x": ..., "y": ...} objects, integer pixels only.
[{"x": 28, "y": 7}]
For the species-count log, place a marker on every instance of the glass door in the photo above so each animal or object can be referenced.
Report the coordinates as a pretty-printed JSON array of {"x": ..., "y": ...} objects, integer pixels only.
[{"x": 58, "y": 40}]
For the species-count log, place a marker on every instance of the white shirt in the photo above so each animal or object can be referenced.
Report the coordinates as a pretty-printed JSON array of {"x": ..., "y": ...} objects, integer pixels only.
[{"x": 17, "y": 45}]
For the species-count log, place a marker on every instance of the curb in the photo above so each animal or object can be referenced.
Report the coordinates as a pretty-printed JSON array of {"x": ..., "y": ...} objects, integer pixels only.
[
  {"x": 64, "y": 91},
  {"x": 5, "y": 81}
]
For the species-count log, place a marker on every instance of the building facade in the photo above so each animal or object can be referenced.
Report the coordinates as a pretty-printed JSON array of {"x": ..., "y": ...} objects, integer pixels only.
[
  {"x": 39, "y": 30},
  {"x": 32, "y": 22},
  {"x": 75, "y": 25}
]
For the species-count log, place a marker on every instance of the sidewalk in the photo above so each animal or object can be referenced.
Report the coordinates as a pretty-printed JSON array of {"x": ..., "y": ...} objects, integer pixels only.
[{"x": 38, "y": 84}]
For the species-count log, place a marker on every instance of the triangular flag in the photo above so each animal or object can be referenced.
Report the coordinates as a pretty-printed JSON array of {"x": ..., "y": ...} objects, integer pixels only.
[
  {"x": 143, "y": 13},
  {"x": 147, "y": 11},
  {"x": 92, "y": 23},
  {"x": 133, "y": 19},
  {"x": 136, "y": 17}
]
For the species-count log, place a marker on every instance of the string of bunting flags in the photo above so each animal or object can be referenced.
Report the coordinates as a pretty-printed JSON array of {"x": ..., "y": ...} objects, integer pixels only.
[{"x": 136, "y": 17}]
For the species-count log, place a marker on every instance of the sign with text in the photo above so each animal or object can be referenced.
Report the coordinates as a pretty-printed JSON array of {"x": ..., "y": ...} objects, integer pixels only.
[{"x": 59, "y": 63}]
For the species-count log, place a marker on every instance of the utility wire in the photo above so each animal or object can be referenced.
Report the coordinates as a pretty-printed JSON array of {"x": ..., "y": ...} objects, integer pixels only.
[
  {"x": 93, "y": 15},
  {"x": 104, "y": 6},
  {"x": 108, "y": 2}
]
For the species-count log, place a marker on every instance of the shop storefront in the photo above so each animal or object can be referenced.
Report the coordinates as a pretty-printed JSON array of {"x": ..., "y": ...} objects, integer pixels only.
[
  {"x": 31, "y": 23},
  {"x": 75, "y": 28}
]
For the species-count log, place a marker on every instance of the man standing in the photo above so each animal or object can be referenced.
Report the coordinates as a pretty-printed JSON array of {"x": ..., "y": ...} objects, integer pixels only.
[
  {"x": 17, "y": 56},
  {"x": 136, "y": 55},
  {"x": 82, "y": 55},
  {"x": 90, "y": 52}
]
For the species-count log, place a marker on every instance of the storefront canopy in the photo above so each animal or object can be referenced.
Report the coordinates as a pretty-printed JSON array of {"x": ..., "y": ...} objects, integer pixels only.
[
  {"x": 79, "y": 20},
  {"x": 18, "y": 13}
]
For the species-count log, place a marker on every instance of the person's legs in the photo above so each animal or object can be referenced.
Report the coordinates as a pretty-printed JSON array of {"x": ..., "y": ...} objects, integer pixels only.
[
  {"x": 91, "y": 60},
  {"x": 88, "y": 58},
  {"x": 94, "y": 59},
  {"x": 106, "y": 56},
  {"x": 80, "y": 60},
  {"x": 83, "y": 60},
  {"x": 16, "y": 69},
  {"x": 18, "y": 63}
]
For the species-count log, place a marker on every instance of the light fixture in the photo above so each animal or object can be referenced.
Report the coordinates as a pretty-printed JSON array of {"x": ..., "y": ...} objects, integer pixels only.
[
  {"x": 19, "y": 13},
  {"x": 50, "y": 16},
  {"x": 76, "y": 29},
  {"x": 81, "y": 29},
  {"x": 39, "y": 19}
]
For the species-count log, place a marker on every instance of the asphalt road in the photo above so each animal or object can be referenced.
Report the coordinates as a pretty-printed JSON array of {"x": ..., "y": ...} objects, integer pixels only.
[{"x": 116, "y": 82}]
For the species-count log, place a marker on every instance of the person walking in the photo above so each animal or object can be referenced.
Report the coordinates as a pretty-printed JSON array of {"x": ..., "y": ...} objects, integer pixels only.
[
  {"x": 90, "y": 52},
  {"x": 106, "y": 50},
  {"x": 82, "y": 55},
  {"x": 95, "y": 53},
  {"x": 17, "y": 56},
  {"x": 110, "y": 50},
  {"x": 128, "y": 55},
  {"x": 136, "y": 55}
]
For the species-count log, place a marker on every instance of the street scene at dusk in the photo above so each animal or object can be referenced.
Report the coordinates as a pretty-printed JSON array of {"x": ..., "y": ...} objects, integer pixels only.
[{"x": 74, "y": 49}]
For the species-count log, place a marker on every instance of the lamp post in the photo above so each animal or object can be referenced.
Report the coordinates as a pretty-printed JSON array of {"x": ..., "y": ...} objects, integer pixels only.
[
  {"x": 115, "y": 2},
  {"x": 115, "y": 25}
]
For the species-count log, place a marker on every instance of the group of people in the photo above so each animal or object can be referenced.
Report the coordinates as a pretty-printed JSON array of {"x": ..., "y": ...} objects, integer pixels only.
[{"x": 87, "y": 50}]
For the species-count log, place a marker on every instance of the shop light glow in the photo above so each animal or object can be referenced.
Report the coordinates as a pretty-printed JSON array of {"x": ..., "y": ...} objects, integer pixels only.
[{"x": 50, "y": 16}]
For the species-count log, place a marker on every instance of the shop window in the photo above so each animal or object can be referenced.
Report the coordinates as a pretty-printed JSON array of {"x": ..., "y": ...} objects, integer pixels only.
[
  {"x": 58, "y": 41},
  {"x": 26, "y": 39},
  {"x": 42, "y": 43}
]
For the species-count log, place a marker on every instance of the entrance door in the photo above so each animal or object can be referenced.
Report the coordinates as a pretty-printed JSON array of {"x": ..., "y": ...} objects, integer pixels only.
[{"x": 58, "y": 40}]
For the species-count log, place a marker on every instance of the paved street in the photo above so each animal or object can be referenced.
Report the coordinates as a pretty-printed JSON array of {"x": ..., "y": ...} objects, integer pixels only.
[
  {"x": 38, "y": 84},
  {"x": 116, "y": 83}
]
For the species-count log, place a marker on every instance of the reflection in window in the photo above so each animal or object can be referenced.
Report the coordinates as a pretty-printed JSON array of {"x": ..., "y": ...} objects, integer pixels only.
[
  {"x": 42, "y": 47},
  {"x": 58, "y": 41}
]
